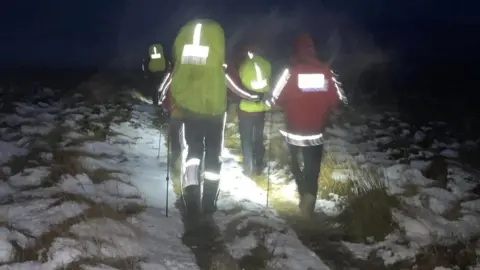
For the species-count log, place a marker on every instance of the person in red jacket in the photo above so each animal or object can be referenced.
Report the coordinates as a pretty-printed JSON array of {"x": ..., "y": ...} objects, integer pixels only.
[{"x": 307, "y": 92}]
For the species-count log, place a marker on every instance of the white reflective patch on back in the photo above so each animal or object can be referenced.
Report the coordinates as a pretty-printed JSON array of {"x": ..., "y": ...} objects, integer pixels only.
[
  {"x": 195, "y": 53},
  {"x": 312, "y": 82},
  {"x": 155, "y": 54},
  {"x": 259, "y": 82}
]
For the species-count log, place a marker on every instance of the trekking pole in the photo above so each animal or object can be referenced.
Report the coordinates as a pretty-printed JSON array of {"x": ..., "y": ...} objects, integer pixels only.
[
  {"x": 269, "y": 156},
  {"x": 159, "y": 141},
  {"x": 168, "y": 172}
]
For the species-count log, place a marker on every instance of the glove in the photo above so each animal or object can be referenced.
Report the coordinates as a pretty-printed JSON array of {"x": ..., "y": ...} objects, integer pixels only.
[
  {"x": 260, "y": 96},
  {"x": 268, "y": 100}
]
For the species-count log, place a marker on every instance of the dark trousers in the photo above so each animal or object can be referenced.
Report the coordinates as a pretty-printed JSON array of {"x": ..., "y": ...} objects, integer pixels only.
[
  {"x": 306, "y": 178},
  {"x": 154, "y": 80},
  {"x": 251, "y": 127},
  {"x": 202, "y": 136}
]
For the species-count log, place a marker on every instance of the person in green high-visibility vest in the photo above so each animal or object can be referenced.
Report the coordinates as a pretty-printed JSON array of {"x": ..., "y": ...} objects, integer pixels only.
[
  {"x": 154, "y": 67},
  {"x": 255, "y": 74}
]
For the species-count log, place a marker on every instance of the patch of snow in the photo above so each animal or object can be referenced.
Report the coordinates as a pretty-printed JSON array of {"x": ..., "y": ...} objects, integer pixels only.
[
  {"x": 359, "y": 251},
  {"x": 241, "y": 246},
  {"x": 36, "y": 193},
  {"x": 338, "y": 132},
  {"x": 98, "y": 148},
  {"x": 83, "y": 185},
  {"x": 419, "y": 164},
  {"x": 147, "y": 173},
  {"x": 384, "y": 140},
  {"x": 381, "y": 158},
  {"x": 25, "y": 266},
  {"x": 117, "y": 188},
  {"x": 98, "y": 267},
  {"x": 399, "y": 175},
  {"x": 449, "y": 153},
  {"x": 64, "y": 251},
  {"x": 427, "y": 228},
  {"x": 394, "y": 253},
  {"x": 472, "y": 205},
  {"x": 92, "y": 164},
  {"x": 7, "y": 251},
  {"x": 419, "y": 136},
  {"x": 30, "y": 177},
  {"x": 6, "y": 171},
  {"x": 440, "y": 200},
  {"x": 152, "y": 227},
  {"x": 37, "y": 216},
  {"x": 37, "y": 130},
  {"x": 10, "y": 151},
  {"x": 6, "y": 190}
]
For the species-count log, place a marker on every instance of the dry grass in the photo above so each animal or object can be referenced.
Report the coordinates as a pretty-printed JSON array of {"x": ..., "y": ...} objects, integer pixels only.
[
  {"x": 66, "y": 162},
  {"x": 367, "y": 205},
  {"x": 460, "y": 255}
]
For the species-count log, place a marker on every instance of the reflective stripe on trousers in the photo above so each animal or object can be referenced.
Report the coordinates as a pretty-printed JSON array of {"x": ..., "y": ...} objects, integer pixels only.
[
  {"x": 202, "y": 143},
  {"x": 190, "y": 172}
]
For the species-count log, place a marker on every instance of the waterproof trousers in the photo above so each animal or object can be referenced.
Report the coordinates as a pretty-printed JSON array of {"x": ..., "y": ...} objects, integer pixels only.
[
  {"x": 202, "y": 143},
  {"x": 306, "y": 178},
  {"x": 153, "y": 84},
  {"x": 251, "y": 128}
]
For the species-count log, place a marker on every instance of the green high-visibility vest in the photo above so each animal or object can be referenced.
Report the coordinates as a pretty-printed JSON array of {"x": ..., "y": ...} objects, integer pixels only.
[
  {"x": 156, "y": 61},
  {"x": 255, "y": 74}
]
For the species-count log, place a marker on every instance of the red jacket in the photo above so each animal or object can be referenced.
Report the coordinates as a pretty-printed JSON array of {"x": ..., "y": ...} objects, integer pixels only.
[
  {"x": 306, "y": 110},
  {"x": 166, "y": 104}
]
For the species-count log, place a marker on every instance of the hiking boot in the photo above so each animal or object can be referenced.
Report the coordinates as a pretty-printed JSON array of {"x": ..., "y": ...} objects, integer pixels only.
[
  {"x": 210, "y": 195},
  {"x": 191, "y": 200},
  {"x": 259, "y": 170},
  {"x": 307, "y": 205}
]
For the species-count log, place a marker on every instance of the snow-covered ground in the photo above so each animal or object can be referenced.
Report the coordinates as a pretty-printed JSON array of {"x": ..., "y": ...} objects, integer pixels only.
[
  {"x": 85, "y": 188},
  {"x": 432, "y": 212},
  {"x": 77, "y": 197}
]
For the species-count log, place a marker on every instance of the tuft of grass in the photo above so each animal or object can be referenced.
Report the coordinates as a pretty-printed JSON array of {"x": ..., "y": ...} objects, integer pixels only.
[
  {"x": 368, "y": 209},
  {"x": 461, "y": 255},
  {"x": 277, "y": 148},
  {"x": 232, "y": 138},
  {"x": 327, "y": 185}
]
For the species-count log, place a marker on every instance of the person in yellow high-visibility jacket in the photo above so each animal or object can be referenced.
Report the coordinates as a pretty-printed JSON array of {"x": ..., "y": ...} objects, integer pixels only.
[
  {"x": 198, "y": 90},
  {"x": 154, "y": 67},
  {"x": 255, "y": 74}
]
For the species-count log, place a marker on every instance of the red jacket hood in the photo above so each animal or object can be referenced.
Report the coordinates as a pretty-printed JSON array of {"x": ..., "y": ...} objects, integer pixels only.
[{"x": 304, "y": 51}]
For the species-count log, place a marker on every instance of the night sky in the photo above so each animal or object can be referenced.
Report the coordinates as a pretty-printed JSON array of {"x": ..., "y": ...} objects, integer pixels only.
[{"x": 117, "y": 32}]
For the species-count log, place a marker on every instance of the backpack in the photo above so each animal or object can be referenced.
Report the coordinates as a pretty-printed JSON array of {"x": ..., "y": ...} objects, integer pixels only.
[
  {"x": 156, "y": 61},
  {"x": 198, "y": 79},
  {"x": 255, "y": 73}
]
